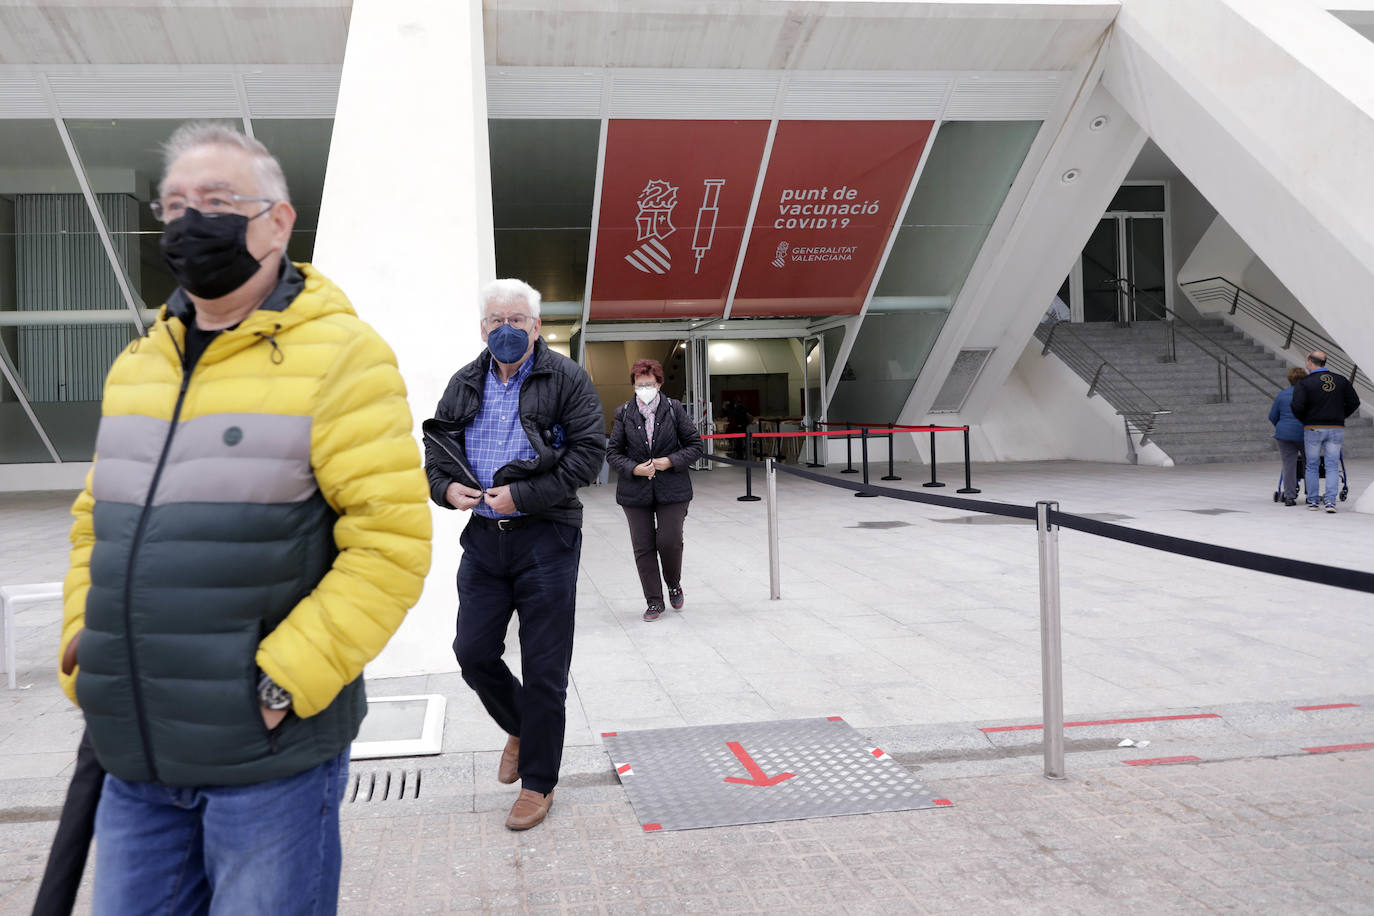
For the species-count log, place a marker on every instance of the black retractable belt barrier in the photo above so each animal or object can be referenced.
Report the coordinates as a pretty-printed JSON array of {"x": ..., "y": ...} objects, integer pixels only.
[
  {"x": 1316, "y": 573},
  {"x": 849, "y": 453},
  {"x": 1355, "y": 580},
  {"x": 749, "y": 463},
  {"x": 968, "y": 469},
  {"x": 891, "y": 471},
  {"x": 932, "y": 482},
  {"x": 863, "y": 439}
]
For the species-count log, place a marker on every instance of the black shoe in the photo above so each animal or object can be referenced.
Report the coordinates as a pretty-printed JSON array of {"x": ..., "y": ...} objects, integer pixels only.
[
  {"x": 653, "y": 611},
  {"x": 1290, "y": 502},
  {"x": 675, "y": 597}
]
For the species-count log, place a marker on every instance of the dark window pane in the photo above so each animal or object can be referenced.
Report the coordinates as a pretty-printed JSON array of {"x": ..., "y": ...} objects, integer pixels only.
[{"x": 1138, "y": 198}]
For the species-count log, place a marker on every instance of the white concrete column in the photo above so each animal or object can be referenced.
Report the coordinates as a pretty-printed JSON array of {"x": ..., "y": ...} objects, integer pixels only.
[{"x": 406, "y": 232}]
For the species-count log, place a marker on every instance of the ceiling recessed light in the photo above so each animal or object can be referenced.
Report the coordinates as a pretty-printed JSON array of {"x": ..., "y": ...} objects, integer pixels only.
[
  {"x": 553, "y": 337},
  {"x": 1070, "y": 176},
  {"x": 1099, "y": 122}
]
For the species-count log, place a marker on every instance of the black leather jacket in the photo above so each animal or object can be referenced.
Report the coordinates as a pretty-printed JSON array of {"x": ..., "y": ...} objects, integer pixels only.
[
  {"x": 675, "y": 438},
  {"x": 563, "y": 420}
]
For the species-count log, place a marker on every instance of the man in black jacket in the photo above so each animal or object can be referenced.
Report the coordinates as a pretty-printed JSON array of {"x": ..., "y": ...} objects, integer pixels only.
[
  {"x": 1322, "y": 401},
  {"x": 517, "y": 432}
]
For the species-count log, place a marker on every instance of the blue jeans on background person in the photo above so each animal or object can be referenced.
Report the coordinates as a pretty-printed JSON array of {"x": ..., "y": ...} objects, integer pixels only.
[
  {"x": 266, "y": 848},
  {"x": 1318, "y": 444}
]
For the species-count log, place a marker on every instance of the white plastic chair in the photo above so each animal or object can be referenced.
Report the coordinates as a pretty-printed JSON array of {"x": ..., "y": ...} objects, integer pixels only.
[{"x": 13, "y": 597}]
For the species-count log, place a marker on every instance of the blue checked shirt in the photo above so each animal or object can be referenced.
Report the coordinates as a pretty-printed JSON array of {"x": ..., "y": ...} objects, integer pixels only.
[{"x": 495, "y": 437}]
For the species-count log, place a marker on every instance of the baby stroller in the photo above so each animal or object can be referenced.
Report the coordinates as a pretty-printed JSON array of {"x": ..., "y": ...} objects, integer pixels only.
[{"x": 1300, "y": 474}]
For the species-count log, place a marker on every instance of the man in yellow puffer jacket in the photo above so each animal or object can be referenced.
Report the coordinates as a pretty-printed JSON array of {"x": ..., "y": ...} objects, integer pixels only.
[{"x": 253, "y": 531}]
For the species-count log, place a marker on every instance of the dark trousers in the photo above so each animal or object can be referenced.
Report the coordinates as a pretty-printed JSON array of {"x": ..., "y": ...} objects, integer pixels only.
[
  {"x": 67, "y": 858},
  {"x": 656, "y": 535},
  {"x": 1289, "y": 453},
  {"x": 530, "y": 571}
]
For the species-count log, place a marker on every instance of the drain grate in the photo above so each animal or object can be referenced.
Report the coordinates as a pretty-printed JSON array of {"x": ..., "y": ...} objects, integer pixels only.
[{"x": 383, "y": 785}]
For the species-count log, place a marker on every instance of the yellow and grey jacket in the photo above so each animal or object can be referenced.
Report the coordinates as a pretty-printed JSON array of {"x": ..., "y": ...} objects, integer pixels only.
[{"x": 267, "y": 511}]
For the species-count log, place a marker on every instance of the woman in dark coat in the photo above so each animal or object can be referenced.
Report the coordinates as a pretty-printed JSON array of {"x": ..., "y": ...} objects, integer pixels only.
[{"x": 652, "y": 444}]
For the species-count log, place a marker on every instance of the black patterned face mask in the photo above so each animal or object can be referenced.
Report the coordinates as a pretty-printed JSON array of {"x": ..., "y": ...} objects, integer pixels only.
[{"x": 207, "y": 254}]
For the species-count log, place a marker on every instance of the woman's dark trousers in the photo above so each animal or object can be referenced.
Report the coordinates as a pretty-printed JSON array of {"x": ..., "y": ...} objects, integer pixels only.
[
  {"x": 1289, "y": 453},
  {"x": 529, "y": 570},
  {"x": 656, "y": 535}
]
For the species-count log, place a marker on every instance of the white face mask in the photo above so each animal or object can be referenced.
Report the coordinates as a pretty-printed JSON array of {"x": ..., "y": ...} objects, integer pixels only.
[{"x": 646, "y": 393}]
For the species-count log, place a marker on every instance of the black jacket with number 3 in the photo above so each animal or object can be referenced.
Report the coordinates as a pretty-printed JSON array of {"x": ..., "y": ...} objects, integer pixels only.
[{"x": 675, "y": 438}]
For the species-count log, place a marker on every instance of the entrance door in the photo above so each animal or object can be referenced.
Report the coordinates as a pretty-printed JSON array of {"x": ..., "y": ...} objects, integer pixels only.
[
  {"x": 1124, "y": 270},
  {"x": 698, "y": 397}
]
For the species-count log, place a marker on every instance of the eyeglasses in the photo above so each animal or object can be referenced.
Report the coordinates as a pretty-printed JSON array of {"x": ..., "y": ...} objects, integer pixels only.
[
  {"x": 518, "y": 321},
  {"x": 213, "y": 204}
]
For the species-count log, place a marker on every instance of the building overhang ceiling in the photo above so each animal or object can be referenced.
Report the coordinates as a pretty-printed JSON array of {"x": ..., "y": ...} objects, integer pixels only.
[
  {"x": 767, "y": 35},
  {"x": 113, "y": 32}
]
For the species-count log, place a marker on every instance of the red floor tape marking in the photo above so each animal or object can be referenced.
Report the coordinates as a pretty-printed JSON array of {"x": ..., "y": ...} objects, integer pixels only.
[
  {"x": 608, "y": 734},
  {"x": 834, "y": 718},
  {"x": 1152, "y": 761},
  {"x": 943, "y": 801},
  {"x": 650, "y": 827},
  {"x": 1329, "y": 706},
  {"x": 625, "y": 769},
  {"x": 1368, "y": 745},
  {"x": 1024, "y": 728}
]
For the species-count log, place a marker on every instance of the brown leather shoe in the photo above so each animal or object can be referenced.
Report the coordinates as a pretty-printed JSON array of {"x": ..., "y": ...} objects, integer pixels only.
[
  {"x": 528, "y": 810},
  {"x": 509, "y": 770}
]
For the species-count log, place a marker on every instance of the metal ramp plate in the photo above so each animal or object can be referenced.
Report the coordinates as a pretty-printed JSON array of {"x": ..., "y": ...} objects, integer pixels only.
[{"x": 756, "y": 772}]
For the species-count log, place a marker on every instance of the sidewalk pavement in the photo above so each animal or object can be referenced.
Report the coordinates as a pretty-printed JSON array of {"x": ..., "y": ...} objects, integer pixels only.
[{"x": 919, "y": 625}]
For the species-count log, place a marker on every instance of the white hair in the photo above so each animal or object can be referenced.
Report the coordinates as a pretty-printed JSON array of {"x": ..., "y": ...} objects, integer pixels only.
[
  {"x": 510, "y": 292},
  {"x": 194, "y": 134}
]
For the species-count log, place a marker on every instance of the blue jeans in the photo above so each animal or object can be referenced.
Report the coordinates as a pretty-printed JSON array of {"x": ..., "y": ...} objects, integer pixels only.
[
  {"x": 266, "y": 848},
  {"x": 1323, "y": 443}
]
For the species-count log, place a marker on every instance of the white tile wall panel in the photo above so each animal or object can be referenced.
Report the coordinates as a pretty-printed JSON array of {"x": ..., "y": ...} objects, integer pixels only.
[
  {"x": 544, "y": 93},
  {"x": 22, "y": 97},
  {"x": 135, "y": 92},
  {"x": 1029, "y": 96}
]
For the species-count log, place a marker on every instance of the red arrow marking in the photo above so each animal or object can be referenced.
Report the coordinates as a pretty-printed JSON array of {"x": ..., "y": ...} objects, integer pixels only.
[{"x": 758, "y": 777}]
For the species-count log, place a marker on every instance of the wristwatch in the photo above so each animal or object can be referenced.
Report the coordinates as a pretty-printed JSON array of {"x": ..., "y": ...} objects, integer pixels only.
[{"x": 272, "y": 695}]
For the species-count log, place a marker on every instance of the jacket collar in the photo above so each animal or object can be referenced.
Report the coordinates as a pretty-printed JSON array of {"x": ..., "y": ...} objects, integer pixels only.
[
  {"x": 540, "y": 361},
  {"x": 290, "y": 282}
]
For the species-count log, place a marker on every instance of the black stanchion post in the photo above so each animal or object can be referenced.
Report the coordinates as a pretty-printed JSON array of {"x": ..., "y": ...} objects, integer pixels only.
[
  {"x": 748, "y": 496},
  {"x": 932, "y": 482},
  {"x": 863, "y": 441},
  {"x": 968, "y": 486},
  {"x": 815, "y": 446},
  {"x": 891, "y": 471},
  {"x": 849, "y": 453}
]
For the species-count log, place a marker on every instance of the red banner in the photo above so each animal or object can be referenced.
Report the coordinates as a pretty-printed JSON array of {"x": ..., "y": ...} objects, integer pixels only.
[
  {"x": 674, "y": 201},
  {"x": 829, "y": 202}
]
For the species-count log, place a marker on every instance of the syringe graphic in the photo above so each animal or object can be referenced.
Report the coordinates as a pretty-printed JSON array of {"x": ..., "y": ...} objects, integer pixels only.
[{"x": 705, "y": 232}]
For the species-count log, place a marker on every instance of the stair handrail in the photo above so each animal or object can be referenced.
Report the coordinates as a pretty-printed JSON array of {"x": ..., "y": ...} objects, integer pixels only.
[
  {"x": 1224, "y": 367},
  {"x": 1278, "y": 321},
  {"x": 1142, "y": 416}
]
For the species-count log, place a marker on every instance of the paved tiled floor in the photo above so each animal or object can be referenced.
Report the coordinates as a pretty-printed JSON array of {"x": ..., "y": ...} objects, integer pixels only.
[
  {"x": 920, "y": 624},
  {"x": 1290, "y": 835}
]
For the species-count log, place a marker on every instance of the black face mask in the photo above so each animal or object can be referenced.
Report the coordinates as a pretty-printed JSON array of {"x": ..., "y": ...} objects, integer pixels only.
[{"x": 209, "y": 256}]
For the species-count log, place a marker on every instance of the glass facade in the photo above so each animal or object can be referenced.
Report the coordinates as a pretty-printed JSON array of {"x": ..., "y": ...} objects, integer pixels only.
[
  {"x": 543, "y": 183},
  {"x": 958, "y": 195},
  {"x": 64, "y": 315}
]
